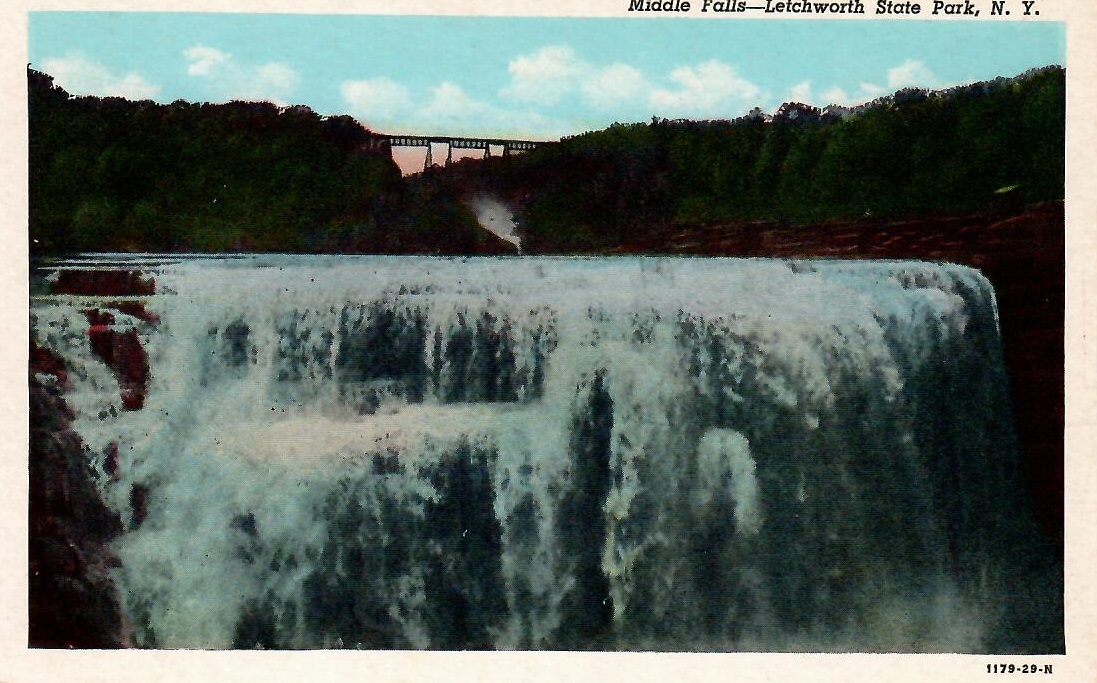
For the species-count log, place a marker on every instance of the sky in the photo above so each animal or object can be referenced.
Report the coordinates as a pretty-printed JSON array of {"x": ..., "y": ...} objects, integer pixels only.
[{"x": 523, "y": 78}]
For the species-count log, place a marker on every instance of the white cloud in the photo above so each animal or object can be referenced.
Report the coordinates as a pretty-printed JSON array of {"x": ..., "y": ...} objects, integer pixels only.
[
  {"x": 376, "y": 99},
  {"x": 547, "y": 77},
  {"x": 277, "y": 76},
  {"x": 835, "y": 95},
  {"x": 801, "y": 92},
  {"x": 710, "y": 89},
  {"x": 871, "y": 89},
  {"x": 544, "y": 76},
  {"x": 911, "y": 73},
  {"x": 275, "y": 82},
  {"x": 232, "y": 79},
  {"x": 203, "y": 59},
  {"x": 451, "y": 108},
  {"x": 804, "y": 92},
  {"x": 616, "y": 85},
  {"x": 385, "y": 105},
  {"x": 449, "y": 103},
  {"x": 554, "y": 72},
  {"x": 81, "y": 76}
]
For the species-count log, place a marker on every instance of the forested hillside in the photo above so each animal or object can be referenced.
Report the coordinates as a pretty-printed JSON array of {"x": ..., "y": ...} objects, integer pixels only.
[
  {"x": 112, "y": 174},
  {"x": 109, "y": 174},
  {"x": 915, "y": 153}
]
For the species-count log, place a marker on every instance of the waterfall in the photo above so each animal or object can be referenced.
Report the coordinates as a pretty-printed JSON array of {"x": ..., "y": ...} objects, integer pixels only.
[
  {"x": 634, "y": 453},
  {"x": 495, "y": 217}
]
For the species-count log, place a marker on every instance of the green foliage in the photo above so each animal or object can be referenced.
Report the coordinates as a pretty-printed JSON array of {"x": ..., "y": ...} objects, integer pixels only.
[
  {"x": 111, "y": 174},
  {"x": 910, "y": 154}
]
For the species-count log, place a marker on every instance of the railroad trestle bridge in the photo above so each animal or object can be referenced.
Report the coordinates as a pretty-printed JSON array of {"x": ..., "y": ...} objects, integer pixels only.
[{"x": 452, "y": 143}]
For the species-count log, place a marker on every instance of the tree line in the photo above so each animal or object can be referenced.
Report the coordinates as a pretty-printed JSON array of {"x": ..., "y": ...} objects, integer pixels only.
[
  {"x": 110, "y": 174},
  {"x": 915, "y": 153}
]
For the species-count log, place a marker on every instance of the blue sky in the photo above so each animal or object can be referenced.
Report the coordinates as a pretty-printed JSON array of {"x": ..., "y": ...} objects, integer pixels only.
[{"x": 522, "y": 77}]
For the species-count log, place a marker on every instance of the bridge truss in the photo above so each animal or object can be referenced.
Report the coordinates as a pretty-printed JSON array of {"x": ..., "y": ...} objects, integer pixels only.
[{"x": 452, "y": 143}]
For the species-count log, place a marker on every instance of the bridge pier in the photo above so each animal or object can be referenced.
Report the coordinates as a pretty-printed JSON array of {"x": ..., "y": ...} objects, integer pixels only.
[{"x": 451, "y": 143}]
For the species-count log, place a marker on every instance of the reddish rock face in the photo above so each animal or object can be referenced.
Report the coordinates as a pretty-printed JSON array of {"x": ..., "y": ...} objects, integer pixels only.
[
  {"x": 122, "y": 351},
  {"x": 139, "y": 505},
  {"x": 97, "y": 318},
  {"x": 110, "y": 462},
  {"x": 135, "y": 309},
  {"x": 73, "y": 601},
  {"x": 103, "y": 283},
  {"x": 46, "y": 362}
]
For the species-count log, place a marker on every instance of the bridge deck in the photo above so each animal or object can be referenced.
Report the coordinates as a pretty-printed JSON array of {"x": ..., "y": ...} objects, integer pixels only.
[
  {"x": 452, "y": 143},
  {"x": 461, "y": 142}
]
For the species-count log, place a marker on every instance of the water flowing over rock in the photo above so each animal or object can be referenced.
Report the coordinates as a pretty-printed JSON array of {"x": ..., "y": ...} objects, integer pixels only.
[
  {"x": 495, "y": 217},
  {"x": 669, "y": 454}
]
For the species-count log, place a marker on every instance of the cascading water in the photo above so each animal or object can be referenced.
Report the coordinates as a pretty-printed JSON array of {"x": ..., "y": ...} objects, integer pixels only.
[
  {"x": 666, "y": 454},
  {"x": 495, "y": 217}
]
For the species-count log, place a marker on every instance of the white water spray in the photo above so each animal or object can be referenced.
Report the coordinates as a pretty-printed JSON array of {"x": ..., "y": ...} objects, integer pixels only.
[
  {"x": 495, "y": 217},
  {"x": 672, "y": 454}
]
